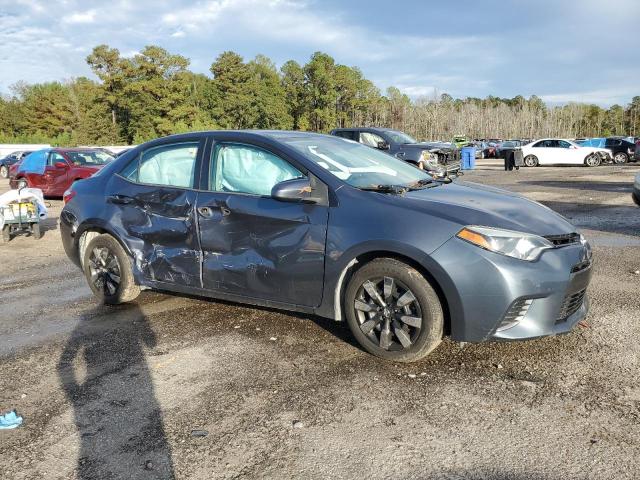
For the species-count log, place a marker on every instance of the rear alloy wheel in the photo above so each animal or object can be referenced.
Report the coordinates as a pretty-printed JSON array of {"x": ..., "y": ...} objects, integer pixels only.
[
  {"x": 393, "y": 311},
  {"x": 531, "y": 161},
  {"x": 593, "y": 160},
  {"x": 22, "y": 183},
  {"x": 620, "y": 158},
  {"x": 4, "y": 171},
  {"x": 108, "y": 271}
]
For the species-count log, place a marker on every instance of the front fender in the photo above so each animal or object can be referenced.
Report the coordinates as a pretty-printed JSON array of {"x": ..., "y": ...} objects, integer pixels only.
[{"x": 336, "y": 274}]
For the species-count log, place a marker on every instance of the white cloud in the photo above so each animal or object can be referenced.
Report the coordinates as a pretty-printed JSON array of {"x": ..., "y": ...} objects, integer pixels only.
[
  {"x": 80, "y": 17},
  {"x": 529, "y": 52},
  {"x": 599, "y": 97}
]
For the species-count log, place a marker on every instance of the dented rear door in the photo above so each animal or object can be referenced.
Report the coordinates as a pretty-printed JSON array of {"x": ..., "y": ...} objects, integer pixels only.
[
  {"x": 253, "y": 245},
  {"x": 153, "y": 203}
]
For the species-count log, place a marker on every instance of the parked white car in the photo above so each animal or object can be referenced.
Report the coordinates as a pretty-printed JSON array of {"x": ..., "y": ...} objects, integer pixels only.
[{"x": 556, "y": 151}]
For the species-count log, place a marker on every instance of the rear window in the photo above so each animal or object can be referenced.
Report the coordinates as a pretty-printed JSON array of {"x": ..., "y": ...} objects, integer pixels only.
[{"x": 89, "y": 157}]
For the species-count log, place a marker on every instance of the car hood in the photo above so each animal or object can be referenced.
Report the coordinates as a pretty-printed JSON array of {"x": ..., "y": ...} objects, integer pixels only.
[{"x": 469, "y": 203}]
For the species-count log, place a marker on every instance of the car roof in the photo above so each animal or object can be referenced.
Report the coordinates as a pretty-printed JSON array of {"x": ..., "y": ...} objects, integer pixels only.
[
  {"x": 379, "y": 129},
  {"x": 76, "y": 149}
]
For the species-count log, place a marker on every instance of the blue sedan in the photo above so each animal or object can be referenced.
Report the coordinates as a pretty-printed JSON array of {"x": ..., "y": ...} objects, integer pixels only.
[{"x": 327, "y": 226}]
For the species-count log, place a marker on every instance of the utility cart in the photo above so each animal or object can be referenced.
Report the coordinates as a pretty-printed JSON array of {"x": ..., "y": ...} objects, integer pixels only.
[{"x": 20, "y": 216}]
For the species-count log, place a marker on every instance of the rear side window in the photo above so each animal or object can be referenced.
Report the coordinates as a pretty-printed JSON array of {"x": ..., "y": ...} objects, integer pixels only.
[
  {"x": 348, "y": 134},
  {"x": 248, "y": 169},
  {"x": 171, "y": 165}
]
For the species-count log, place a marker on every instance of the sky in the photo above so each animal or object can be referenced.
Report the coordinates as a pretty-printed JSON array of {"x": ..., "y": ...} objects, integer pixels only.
[{"x": 560, "y": 50}]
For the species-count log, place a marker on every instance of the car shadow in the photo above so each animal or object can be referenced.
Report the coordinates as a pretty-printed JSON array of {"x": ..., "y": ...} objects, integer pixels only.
[
  {"x": 105, "y": 376},
  {"x": 338, "y": 329}
]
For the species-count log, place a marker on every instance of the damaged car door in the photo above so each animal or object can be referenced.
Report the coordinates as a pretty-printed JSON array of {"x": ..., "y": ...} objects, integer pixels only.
[
  {"x": 155, "y": 203},
  {"x": 254, "y": 245}
]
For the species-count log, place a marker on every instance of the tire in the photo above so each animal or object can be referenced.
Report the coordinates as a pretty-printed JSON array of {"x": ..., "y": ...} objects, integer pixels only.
[
  {"x": 409, "y": 327},
  {"x": 531, "y": 161},
  {"x": 6, "y": 234},
  {"x": 22, "y": 183},
  {"x": 620, "y": 158},
  {"x": 593, "y": 160},
  {"x": 4, "y": 171},
  {"x": 107, "y": 268},
  {"x": 36, "y": 231}
]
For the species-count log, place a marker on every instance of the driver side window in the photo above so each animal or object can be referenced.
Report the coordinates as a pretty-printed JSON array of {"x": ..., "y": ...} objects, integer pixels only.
[
  {"x": 53, "y": 158},
  {"x": 370, "y": 139},
  {"x": 247, "y": 169}
]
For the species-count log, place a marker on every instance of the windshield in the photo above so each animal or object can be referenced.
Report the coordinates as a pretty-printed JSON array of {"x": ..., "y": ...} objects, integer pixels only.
[
  {"x": 356, "y": 164},
  {"x": 400, "y": 137},
  {"x": 89, "y": 157},
  {"x": 509, "y": 144}
]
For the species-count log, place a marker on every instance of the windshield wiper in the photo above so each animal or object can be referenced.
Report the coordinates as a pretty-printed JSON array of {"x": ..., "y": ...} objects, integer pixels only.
[
  {"x": 423, "y": 183},
  {"x": 397, "y": 189}
]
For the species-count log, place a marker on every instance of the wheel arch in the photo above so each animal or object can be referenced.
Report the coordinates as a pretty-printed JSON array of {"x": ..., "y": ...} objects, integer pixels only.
[
  {"x": 92, "y": 229},
  {"x": 426, "y": 267}
]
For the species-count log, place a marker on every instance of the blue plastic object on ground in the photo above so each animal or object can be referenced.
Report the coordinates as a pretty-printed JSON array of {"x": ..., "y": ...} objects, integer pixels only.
[
  {"x": 468, "y": 158},
  {"x": 10, "y": 420}
]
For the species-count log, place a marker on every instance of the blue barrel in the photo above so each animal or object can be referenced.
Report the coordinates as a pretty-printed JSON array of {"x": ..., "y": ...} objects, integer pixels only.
[{"x": 468, "y": 158}]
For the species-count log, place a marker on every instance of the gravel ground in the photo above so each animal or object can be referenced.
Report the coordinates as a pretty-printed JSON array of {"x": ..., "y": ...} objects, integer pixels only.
[{"x": 174, "y": 387}]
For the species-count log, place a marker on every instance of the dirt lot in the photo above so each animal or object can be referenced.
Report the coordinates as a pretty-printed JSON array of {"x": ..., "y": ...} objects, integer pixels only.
[{"x": 122, "y": 392}]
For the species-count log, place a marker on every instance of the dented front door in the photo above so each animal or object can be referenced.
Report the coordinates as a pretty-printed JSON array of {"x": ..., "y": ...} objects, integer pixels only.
[{"x": 253, "y": 245}]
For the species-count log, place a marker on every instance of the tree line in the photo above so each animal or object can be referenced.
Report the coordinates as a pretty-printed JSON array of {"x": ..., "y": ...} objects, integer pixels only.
[{"x": 153, "y": 93}]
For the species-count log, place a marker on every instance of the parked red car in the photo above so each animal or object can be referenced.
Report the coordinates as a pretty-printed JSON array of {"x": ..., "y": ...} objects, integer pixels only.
[{"x": 63, "y": 166}]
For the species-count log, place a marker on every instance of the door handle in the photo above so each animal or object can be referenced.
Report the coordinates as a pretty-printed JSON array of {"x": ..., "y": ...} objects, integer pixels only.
[
  {"x": 120, "y": 199},
  {"x": 207, "y": 212}
]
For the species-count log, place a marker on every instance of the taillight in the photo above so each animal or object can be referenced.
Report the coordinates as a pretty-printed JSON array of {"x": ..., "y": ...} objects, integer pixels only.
[{"x": 68, "y": 195}]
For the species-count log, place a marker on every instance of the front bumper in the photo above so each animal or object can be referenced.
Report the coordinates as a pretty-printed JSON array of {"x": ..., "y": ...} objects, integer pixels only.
[{"x": 488, "y": 284}]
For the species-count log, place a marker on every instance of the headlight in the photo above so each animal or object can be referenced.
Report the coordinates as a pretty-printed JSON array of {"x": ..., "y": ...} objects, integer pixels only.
[{"x": 523, "y": 246}]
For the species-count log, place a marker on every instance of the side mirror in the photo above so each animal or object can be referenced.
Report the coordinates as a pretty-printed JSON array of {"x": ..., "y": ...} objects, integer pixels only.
[
  {"x": 383, "y": 146},
  {"x": 60, "y": 165},
  {"x": 296, "y": 190}
]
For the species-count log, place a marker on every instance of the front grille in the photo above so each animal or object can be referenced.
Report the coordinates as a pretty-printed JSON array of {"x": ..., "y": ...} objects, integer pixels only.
[
  {"x": 562, "y": 240},
  {"x": 515, "y": 314},
  {"x": 571, "y": 305}
]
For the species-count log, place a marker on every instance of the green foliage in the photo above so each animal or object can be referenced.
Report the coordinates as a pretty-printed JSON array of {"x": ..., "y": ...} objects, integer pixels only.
[{"x": 153, "y": 93}]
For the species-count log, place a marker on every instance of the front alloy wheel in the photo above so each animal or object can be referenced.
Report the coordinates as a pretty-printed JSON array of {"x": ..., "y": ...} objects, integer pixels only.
[
  {"x": 531, "y": 161},
  {"x": 388, "y": 313},
  {"x": 393, "y": 311}
]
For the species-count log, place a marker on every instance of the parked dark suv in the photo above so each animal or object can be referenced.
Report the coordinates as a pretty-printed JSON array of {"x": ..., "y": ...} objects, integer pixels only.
[
  {"x": 322, "y": 225},
  {"x": 621, "y": 150},
  {"x": 438, "y": 159}
]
